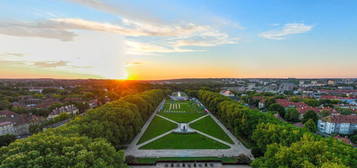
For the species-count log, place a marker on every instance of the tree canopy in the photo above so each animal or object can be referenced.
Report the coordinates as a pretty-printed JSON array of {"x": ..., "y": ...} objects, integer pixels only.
[
  {"x": 283, "y": 144},
  {"x": 88, "y": 141}
]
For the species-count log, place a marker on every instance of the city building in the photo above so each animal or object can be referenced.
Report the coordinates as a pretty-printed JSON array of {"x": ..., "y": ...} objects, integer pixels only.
[
  {"x": 227, "y": 93},
  {"x": 340, "y": 124},
  {"x": 69, "y": 109},
  {"x": 6, "y": 128},
  {"x": 14, "y": 123}
]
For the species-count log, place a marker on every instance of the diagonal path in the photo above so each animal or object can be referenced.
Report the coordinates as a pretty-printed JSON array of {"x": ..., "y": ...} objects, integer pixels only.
[
  {"x": 167, "y": 119},
  {"x": 154, "y": 139},
  {"x": 214, "y": 138},
  {"x": 146, "y": 125},
  {"x": 197, "y": 119},
  {"x": 236, "y": 148},
  {"x": 235, "y": 140}
]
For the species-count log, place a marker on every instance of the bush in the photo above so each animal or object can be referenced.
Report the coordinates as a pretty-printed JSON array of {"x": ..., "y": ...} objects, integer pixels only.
[{"x": 243, "y": 159}]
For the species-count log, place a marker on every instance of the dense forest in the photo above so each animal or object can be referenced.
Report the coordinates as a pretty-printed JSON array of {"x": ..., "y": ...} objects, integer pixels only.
[
  {"x": 276, "y": 143},
  {"x": 93, "y": 140}
]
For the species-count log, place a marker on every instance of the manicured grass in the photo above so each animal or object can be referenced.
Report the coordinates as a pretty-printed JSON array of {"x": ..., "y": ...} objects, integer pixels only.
[
  {"x": 157, "y": 127},
  {"x": 153, "y": 160},
  {"x": 185, "y": 141},
  {"x": 210, "y": 127},
  {"x": 181, "y": 106},
  {"x": 182, "y": 117}
]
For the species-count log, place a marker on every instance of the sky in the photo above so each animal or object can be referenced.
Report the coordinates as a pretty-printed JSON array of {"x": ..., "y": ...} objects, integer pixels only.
[{"x": 157, "y": 39}]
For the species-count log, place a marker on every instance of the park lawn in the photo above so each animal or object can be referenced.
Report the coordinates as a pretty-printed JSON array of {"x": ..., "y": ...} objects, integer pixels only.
[
  {"x": 154, "y": 160},
  {"x": 185, "y": 141},
  {"x": 157, "y": 127},
  {"x": 209, "y": 126},
  {"x": 185, "y": 106},
  {"x": 181, "y": 117}
]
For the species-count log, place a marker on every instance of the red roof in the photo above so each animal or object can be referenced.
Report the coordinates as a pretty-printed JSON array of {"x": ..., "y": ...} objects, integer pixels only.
[
  {"x": 7, "y": 112},
  {"x": 301, "y": 107},
  {"x": 338, "y": 91},
  {"x": 343, "y": 139},
  {"x": 342, "y": 119},
  {"x": 5, "y": 123},
  {"x": 9, "y": 116},
  {"x": 335, "y": 97}
]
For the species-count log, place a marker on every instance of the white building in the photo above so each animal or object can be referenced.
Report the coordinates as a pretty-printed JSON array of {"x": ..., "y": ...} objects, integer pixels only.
[
  {"x": 13, "y": 123},
  {"x": 179, "y": 96},
  {"x": 7, "y": 128},
  {"x": 69, "y": 109},
  {"x": 341, "y": 124},
  {"x": 331, "y": 82},
  {"x": 227, "y": 93}
]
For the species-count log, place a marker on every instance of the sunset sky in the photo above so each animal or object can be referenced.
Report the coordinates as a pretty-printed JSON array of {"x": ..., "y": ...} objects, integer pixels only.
[{"x": 165, "y": 39}]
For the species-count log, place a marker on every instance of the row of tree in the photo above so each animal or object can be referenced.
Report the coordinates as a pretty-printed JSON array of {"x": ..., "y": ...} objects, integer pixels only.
[
  {"x": 282, "y": 144},
  {"x": 88, "y": 141}
]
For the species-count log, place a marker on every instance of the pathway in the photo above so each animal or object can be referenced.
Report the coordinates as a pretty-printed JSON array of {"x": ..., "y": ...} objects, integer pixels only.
[
  {"x": 198, "y": 119},
  {"x": 166, "y": 118},
  {"x": 132, "y": 145},
  {"x": 235, "y": 149}
]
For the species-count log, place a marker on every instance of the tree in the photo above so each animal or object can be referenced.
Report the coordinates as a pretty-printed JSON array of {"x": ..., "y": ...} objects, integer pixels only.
[
  {"x": 310, "y": 125},
  {"x": 6, "y": 139},
  {"x": 310, "y": 151},
  {"x": 269, "y": 101},
  {"x": 60, "y": 151},
  {"x": 4, "y": 104},
  {"x": 291, "y": 114},
  {"x": 325, "y": 113},
  {"x": 310, "y": 115},
  {"x": 312, "y": 102},
  {"x": 353, "y": 139},
  {"x": 278, "y": 108}
]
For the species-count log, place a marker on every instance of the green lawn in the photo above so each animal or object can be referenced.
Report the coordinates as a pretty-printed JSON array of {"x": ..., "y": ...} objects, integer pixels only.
[
  {"x": 182, "y": 117},
  {"x": 184, "y": 106},
  {"x": 157, "y": 127},
  {"x": 185, "y": 141},
  {"x": 153, "y": 160},
  {"x": 210, "y": 127}
]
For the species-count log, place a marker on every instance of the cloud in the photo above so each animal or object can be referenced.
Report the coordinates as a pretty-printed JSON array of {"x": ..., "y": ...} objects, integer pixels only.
[
  {"x": 287, "y": 29},
  {"x": 61, "y": 28},
  {"x": 50, "y": 64},
  {"x": 121, "y": 10},
  {"x": 27, "y": 29},
  {"x": 128, "y": 28},
  {"x": 133, "y": 64},
  {"x": 139, "y": 48},
  {"x": 12, "y": 54}
]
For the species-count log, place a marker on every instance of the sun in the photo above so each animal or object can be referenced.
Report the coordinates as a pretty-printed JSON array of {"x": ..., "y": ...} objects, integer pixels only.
[{"x": 125, "y": 76}]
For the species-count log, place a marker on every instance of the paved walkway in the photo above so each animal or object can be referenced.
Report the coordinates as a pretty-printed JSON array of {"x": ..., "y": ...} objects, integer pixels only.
[
  {"x": 198, "y": 119},
  {"x": 135, "y": 141},
  {"x": 154, "y": 139},
  {"x": 235, "y": 149},
  {"x": 166, "y": 118}
]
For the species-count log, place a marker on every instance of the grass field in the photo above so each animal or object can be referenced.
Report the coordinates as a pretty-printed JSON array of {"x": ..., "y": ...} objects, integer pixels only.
[
  {"x": 157, "y": 127},
  {"x": 181, "y": 111},
  {"x": 153, "y": 160},
  {"x": 210, "y": 127},
  {"x": 185, "y": 141},
  {"x": 182, "y": 117},
  {"x": 181, "y": 106}
]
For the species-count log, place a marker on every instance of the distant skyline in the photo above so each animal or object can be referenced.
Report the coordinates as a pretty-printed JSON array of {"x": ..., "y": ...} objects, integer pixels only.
[{"x": 148, "y": 40}]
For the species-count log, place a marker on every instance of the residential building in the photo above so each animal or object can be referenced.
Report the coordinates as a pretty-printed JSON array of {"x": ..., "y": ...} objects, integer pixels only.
[
  {"x": 340, "y": 124},
  {"x": 301, "y": 107},
  {"x": 20, "y": 123},
  {"x": 69, "y": 109},
  {"x": 7, "y": 128},
  {"x": 227, "y": 93}
]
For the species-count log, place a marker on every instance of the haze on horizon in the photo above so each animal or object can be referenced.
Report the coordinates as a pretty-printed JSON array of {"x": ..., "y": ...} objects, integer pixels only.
[{"x": 178, "y": 39}]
